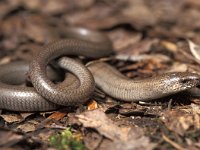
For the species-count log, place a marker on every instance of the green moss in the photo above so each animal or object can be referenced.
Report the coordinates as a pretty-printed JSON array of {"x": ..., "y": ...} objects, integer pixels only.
[{"x": 66, "y": 141}]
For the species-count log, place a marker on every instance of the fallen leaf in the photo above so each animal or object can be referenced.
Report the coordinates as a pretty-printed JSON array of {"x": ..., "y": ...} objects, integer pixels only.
[
  {"x": 169, "y": 45},
  {"x": 195, "y": 49},
  {"x": 92, "y": 105},
  {"x": 138, "y": 14},
  {"x": 5, "y": 60},
  {"x": 27, "y": 51},
  {"x": 178, "y": 67},
  {"x": 181, "y": 120},
  {"x": 196, "y": 113},
  {"x": 9, "y": 138},
  {"x": 37, "y": 29},
  {"x": 27, "y": 127},
  {"x": 139, "y": 48},
  {"x": 92, "y": 140},
  {"x": 11, "y": 118},
  {"x": 122, "y": 39},
  {"x": 57, "y": 115},
  {"x": 189, "y": 20},
  {"x": 195, "y": 108},
  {"x": 123, "y": 137},
  {"x": 26, "y": 115}
]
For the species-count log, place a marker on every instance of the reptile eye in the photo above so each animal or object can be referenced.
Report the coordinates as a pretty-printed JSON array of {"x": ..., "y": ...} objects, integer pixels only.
[{"x": 185, "y": 81}]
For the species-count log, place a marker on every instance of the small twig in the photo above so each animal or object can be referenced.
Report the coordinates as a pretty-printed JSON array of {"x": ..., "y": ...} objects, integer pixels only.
[
  {"x": 143, "y": 103},
  {"x": 170, "y": 104},
  {"x": 189, "y": 56},
  {"x": 175, "y": 145}
]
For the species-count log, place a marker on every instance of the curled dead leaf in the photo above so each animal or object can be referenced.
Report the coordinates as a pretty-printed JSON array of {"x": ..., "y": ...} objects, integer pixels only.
[
  {"x": 195, "y": 49},
  {"x": 123, "y": 137}
]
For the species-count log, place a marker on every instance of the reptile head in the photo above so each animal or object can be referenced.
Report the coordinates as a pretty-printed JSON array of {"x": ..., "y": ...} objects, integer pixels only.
[{"x": 180, "y": 81}]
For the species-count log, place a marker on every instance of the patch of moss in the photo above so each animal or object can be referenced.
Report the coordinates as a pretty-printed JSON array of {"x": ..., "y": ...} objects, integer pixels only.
[{"x": 66, "y": 141}]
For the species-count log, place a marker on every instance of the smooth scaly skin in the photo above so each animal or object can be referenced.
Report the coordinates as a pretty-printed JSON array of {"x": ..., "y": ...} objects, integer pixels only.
[
  {"x": 15, "y": 97},
  {"x": 107, "y": 78},
  {"x": 27, "y": 99},
  {"x": 112, "y": 82},
  {"x": 66, "y": 47},
  {"x": 90, "y": 44},
  {"x": 118, "y": 86}
]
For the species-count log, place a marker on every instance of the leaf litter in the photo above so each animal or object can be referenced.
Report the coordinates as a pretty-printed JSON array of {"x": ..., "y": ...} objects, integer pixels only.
[{"x": 147, "y": 42}]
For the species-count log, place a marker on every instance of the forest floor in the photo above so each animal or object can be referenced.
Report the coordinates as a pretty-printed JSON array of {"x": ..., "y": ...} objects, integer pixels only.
[{"x": 166, "y": 33}]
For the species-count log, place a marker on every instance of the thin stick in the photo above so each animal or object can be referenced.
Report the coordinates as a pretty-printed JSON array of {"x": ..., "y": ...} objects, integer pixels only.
[{"x": 175, "y": 145}]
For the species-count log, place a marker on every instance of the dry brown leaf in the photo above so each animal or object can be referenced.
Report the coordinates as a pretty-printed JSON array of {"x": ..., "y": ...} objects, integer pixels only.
[
  {"x": 91, "y": 17},
  {"x": 135, "y": 27},
  {"x": 12, "y": 29},
  {"x": 195, "y": 49},
  {"x": 48, "y": 6},
  {"x": 57, "y": 115},
  {"x": 178, "y": 67},
  {"x": 92, "y": 140},
  {"x": 123, "y": 39},
  {"x": 196, "y": 113},
  {"x": 5, "y": 60},
  {"x": 26, "y": 115},
  {"x": 27, "y": 51},
  {"x": 189, "y": 20},
  {"x": 180, "y": 121},
  {"x": 195, "y": 108},
  {"x": 9, "y": 138},
  {"x": 37, "y": 29},
  {"x": 159, "y": 9},
  {"x": 138, "y": 14},
  {"x": 56, "y": 7},
  {"x": 11, "y": 118},
  {"x": 123, "y": 137},
  {"x": 92, "y": 105},
  {"x": 141, "y": 47},
  {"x": 169, "y": 45},
  {"x": 27, "y": 127}
]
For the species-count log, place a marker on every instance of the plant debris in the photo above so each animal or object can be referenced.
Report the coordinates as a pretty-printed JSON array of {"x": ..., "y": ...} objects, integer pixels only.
[{"x": 149, "y": 37}]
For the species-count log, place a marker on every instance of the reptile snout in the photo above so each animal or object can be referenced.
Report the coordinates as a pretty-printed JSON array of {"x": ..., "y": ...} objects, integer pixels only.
[
  {"x": 190, "y": 80},
  {"x": 180, "y": 81}
]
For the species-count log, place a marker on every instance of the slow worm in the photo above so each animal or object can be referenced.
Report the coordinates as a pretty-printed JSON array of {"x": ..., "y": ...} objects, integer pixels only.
[{"x": 90, "y": 44}]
